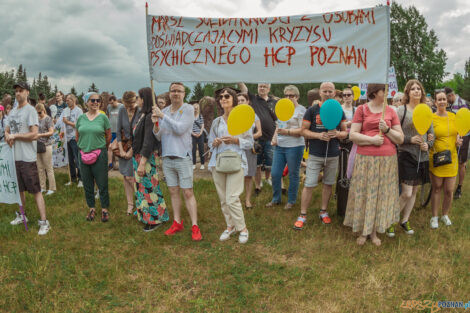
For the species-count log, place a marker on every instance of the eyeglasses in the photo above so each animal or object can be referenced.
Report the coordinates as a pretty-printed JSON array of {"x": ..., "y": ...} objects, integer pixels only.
[
  {"x": 95, "y": 100},
  {"x": 226, "y": 96},
  {"x": 290, "y": 96},
  {"x": 176, "y": 91},
  {"x": 347, "y": 94}
]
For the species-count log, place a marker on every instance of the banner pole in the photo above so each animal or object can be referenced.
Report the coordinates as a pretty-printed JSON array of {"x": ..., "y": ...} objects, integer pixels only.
[{"x": 154, "y": 102}]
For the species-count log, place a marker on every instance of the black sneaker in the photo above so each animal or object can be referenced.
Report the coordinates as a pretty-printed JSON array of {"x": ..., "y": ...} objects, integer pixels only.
[
  {"x": 457, "y": 194},
  {"x": 149, "y": 228}
]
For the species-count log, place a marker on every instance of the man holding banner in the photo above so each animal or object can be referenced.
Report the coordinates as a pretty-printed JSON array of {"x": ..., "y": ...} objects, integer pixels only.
[{"x": 21, "y": 132}]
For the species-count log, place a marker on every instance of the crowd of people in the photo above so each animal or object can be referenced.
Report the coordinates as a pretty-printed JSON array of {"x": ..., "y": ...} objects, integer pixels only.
[{"x": 380, "y": 156}]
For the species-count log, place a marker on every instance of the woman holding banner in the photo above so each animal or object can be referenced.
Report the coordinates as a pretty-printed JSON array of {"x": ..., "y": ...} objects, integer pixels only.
[
  {"x": 443, "y": 160},
  {"x": 93, "y": 134},
  {"x": 44, "y": 149},
  {"x": 373, "y": 196},
  {"x": 413, "y": 160},
  {"x": 123, "y": 139},
  {"x": 229, "y": 186},
  {"x": 289, "y": 149},
  {"x": 150, "y": 205},
  {"x": 2, "y": 123}
]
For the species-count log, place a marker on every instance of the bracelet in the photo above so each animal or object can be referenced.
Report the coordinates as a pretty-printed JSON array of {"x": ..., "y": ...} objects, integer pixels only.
[{"x": 387, "y": 131}]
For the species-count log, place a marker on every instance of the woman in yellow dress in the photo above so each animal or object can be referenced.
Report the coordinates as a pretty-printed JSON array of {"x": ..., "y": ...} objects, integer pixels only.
[{"x": 443, "y": 176}]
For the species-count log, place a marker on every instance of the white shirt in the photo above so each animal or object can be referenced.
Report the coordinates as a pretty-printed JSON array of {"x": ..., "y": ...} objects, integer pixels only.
[
  {"x": 72, "y": 116},
  {"x": 175, "y": 131},
  {"x": 219, "y": 129}
]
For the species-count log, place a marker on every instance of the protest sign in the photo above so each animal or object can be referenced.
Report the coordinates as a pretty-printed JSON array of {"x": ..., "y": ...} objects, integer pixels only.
[
  {"x": 8, "y": 182},
  {"x": 59, "y": 150},
  {"x": 392, "y": 85},
  {"x": 345, "y": 46}
]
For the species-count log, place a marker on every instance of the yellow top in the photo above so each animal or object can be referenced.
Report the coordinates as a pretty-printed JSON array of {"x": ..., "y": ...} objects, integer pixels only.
[{"x": 446, "y": 136}]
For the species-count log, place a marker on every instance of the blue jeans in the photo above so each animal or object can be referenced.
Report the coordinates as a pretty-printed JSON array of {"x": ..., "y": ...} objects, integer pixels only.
[
  {"x": 72, "y": 151},
  {"x": 292, "y": 157},
  {"x": 266, "y": 156}
]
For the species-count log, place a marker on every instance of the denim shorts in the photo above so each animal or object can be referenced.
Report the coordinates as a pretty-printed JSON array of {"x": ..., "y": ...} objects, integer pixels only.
[
  {"x": 178, "y": 172},
  {"x": 265, "y": 158}
]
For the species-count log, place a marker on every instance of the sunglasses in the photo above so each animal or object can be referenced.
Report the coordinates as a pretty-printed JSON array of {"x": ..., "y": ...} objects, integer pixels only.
[
  {"x": 95, "y": 100},
  {"x": 226, "y": 96},
  {"x": 290, "y": 96},
  {"x": 347, "y": 94}
]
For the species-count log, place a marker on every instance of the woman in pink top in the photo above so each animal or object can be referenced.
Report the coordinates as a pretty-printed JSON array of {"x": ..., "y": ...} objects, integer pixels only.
[{"x": 373, "y": 196}]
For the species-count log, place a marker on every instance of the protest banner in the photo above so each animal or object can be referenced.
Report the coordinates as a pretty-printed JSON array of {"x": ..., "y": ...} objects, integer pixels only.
[
  {"x": 392, "y": 85},
  {"x": 8, "y": 181},
  {"x": 345, "y": 46},
  {"x": 59, "y": 149},
  {"x": 9, "y": 189}
]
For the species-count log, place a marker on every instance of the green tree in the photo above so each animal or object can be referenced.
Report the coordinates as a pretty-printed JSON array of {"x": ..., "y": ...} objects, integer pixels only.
[
  {"x": 465, "y": 90},
  {"x": 414, "y": 48},
  {"x": 198, "y": 92},
  {"x": 93, "y": 88}
]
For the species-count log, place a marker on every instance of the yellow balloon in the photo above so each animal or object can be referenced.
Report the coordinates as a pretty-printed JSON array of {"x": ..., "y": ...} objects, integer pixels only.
[
  {"x": 284, "y": 109},
  {"x": 422, "y": 118},
  {"x": 462, "y": 121},
  {"x": 305, "y": 154},
  {"x": 357, "y": 92},
  {"x": 240, "y": 119}
]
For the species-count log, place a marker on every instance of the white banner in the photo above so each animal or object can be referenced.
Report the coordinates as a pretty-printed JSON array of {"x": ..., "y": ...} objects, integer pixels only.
[
  {"x": 9, "y": 192},
  {"x": 59, "y": 149},
  {"x": 347, "y": 46},
  {"x": 392, "y": 85}
]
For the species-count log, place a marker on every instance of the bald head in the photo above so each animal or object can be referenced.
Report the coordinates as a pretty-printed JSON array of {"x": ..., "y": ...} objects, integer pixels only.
[{"x": 327, "y": 91}]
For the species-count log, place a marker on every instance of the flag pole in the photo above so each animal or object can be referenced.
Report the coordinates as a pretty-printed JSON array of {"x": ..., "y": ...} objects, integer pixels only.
[{"x": 154, "y": 102}]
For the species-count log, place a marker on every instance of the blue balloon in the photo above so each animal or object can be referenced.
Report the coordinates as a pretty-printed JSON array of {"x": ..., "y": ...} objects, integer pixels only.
[{"x": 331, "y": 114}]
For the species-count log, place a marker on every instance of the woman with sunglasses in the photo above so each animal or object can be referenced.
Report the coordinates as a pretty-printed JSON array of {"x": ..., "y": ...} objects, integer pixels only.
[
  {"x": 93, "y": 132},
  {"x": 289, "y": 148},
  {"x": 229, "y": 186},
  {"x": 44, "y": 160},
  {"x": 443, "y": 176}
]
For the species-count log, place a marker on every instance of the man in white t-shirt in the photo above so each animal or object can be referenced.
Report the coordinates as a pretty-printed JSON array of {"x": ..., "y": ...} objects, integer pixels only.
[{"x": 21, "y": 133}]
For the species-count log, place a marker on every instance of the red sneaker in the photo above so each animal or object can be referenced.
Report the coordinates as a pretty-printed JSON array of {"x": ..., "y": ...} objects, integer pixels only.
[
  {"x": 325, "y": 218},
  {"x": 196, "y": 233},
  {"x": 175, "y": 227}
]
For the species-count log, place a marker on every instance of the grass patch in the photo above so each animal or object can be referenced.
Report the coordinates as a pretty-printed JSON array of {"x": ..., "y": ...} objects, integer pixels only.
[{"x": 116, "y": 267}]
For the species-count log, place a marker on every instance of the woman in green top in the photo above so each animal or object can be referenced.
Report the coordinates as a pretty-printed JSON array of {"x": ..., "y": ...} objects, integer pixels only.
[{"x": 94, "y": 135}]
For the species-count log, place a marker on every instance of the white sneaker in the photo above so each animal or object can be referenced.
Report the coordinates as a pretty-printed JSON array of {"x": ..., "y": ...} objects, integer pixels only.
[
  {"x": 97, "y": 195},
  {"x": 226, "y": 234},
  {"x": 18, "y": 220},
  {"x": 68, "y": 184},
  {"x": 269, "y": 181},
  {"x": 50, "y": 192},
  {"x": 446, "y": 220},
  {"x": 202, "y": 167},
  {"x": 44, "y": 227},
  {"x": 434, "y": 222},
  {"x": 80, "y": 184},
  {"x": 243, "y": 237},
  {"x": 43, "y": 190},
  {"x": 194, "y": 167}
]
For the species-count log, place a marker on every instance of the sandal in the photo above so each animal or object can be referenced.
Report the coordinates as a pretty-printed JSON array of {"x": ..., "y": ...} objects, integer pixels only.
[
  {"x": 91, "y": 215},
  {"x": 376, "y": 241},
  {"x": 361, "y": 240},
  {"x": 104, "y": 216},
  {"x": 129, "y": 211}
]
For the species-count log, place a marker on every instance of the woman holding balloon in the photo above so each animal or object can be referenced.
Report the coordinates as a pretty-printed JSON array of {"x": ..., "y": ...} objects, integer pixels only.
[
  {"x": 228, "y": 161},
  {"x": 443, "y": 161},
  {"x": 413, "y": 161},
  {"x": 289, "y": 146},
  {"x": 373, "y": 195}
]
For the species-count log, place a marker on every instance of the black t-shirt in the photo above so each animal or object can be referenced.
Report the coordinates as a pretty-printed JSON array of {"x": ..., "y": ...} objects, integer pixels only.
[
  {"x": 317, "y": 147},
  {"x": 265, "y": 111}
]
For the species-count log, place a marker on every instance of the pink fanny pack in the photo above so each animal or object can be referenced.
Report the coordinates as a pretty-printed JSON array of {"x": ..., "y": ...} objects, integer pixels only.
[{"x": 90, "y": 157}]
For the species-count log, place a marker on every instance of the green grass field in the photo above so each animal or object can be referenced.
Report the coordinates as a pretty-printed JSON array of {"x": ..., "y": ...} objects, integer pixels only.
[{"x": 85, "y": 266}]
